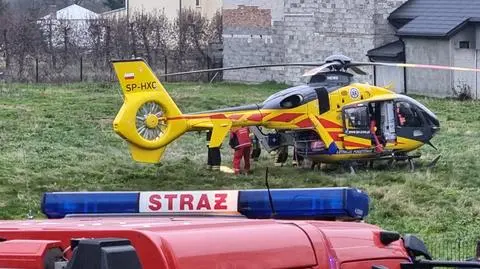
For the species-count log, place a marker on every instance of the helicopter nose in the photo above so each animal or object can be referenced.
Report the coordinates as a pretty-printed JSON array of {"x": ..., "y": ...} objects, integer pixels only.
[{"x": 435, "y": 123}]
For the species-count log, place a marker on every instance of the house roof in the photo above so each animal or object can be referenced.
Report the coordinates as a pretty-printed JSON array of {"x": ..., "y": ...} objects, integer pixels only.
[
  {"x": 73, "y": 12},
  {"x": 435, "y": 18},
  {"x": 391, "y": 51}
]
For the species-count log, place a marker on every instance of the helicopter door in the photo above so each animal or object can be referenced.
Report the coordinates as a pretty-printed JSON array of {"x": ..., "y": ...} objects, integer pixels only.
[
  {"x": 356, "y": 127},
  {"x": 388, "y": 122},
  {"x": 410, "y": 123}
]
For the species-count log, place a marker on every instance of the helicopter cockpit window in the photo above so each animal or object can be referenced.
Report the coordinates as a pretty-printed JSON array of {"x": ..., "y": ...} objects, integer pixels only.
[
  {"x": 291, "y": 101},
  {"x": 407, "y": 115},
  {"x": 356, "y": 118}
]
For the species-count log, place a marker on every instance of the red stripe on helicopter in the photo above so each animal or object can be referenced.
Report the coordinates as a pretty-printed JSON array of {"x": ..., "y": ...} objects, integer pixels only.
[
  {"x": 354, "y": 144},
  {"x": 190, "y": 117},
  {"x": 329, "y": 124},
  {"x": 218, "y": 116},
  {"x": 235, "y": 116},
  {"x": 286, "y": 117},
  {"x": 336, "y": 136},
  {"x": 306, "y": 123},
  {"x": 257, "y": 117}
]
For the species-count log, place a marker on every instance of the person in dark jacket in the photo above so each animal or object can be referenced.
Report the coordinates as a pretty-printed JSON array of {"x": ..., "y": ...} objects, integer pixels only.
[
  {"x": 214, "y": 158},
  {"x": 256, "y": 150}
]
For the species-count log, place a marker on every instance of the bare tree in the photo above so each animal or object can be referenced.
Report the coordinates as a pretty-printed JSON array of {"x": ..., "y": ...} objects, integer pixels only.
[
  {"x": 119, "y": 45},
  {"x": 21, "y": 39},
  {"x": 151, "y": 29},
  {"x": 5, "y": 25},
  {"x": 216, "y": 28},
  {"x": 161, "y": 37},
  {"x": 195, "y": 28},
  {"x": 95, "y": 32},
  {"x": 58, "y": 45},
  {"x": 3, "y": 7}
]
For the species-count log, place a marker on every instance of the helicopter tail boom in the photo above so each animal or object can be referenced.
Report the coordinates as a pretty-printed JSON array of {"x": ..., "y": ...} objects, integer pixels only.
[{"x": 149, "y": 119}]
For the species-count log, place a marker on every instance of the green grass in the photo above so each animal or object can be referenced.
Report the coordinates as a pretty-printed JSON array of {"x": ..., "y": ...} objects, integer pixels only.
[{"x": 59, "y": 138}]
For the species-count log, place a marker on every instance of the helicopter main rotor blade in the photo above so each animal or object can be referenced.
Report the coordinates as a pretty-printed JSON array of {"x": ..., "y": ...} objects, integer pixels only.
[
  {"x": 358, "y": 71},
  {"x": 314, "y": 71},
  {"x": 239, "y": 67},
  {"x": 425, "y": 66},
  {"x": 320, "y": 67}
]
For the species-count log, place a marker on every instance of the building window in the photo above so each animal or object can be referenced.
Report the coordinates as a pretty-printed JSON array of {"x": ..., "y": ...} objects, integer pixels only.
[
  {"x": 464, "y": 44},
  {"x": 197, "y": 2}
]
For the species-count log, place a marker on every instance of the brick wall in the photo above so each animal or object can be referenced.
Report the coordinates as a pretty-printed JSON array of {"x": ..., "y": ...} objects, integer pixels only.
[
  {"x": 247, "y": 16},
  {"x": 301, "y": 30}
]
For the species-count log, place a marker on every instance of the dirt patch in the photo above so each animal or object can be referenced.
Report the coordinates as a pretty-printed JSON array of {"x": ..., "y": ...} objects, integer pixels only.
[{"x": 16, "y": 107}]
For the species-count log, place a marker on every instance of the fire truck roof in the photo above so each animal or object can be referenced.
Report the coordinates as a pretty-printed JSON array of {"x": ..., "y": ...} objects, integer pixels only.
[{"x": 201, "y": 242}]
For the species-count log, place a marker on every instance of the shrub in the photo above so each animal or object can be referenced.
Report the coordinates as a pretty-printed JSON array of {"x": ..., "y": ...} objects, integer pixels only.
[{"x": 462, "y": 92}]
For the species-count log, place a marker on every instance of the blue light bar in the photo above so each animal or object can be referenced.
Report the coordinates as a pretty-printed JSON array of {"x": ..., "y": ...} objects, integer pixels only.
[
  {"x": 59, "y": 204},
  {"x": 313, "y": 203},
  {"x": 319, "y": 203}
]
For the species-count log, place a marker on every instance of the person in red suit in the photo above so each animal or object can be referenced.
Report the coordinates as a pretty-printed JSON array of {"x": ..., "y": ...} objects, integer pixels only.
[{"x": 241, "y": 143}]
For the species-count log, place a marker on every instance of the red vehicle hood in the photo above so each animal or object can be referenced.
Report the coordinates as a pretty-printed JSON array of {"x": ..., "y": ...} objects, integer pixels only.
[
  {"x": 220, "y": 242},
  {"x": 164, "y": 242},
  {"x": 353, "y": 242}
]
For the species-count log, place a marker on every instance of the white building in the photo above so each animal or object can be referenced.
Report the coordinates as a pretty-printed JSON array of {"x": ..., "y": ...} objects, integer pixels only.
[
  {"x": 72, "y": 13},
  {"x": 73, "y": 19},
  {"x": 170, "y": 8}
]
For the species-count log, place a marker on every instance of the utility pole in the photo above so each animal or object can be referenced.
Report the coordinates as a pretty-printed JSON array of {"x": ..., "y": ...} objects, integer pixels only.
[
  {"x": 128, "y": 10},
  {"x": 180, "y": 10},
  {"x": 181, "y": 34}
]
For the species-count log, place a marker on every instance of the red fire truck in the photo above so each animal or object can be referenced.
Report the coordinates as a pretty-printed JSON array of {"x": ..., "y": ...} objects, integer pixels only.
[{"x": 277, "y": 228}]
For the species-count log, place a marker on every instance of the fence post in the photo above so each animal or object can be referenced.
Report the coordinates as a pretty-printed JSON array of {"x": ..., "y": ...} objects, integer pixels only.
[
  {"x": 477, "y": 255},
  {"x": 166, "y": 69},
  {"x": 81, "y": 69},
  {"x": 7, "y": 49},
  {"x": 208, "y": 67},
  {"x": 36, "y": 70}
]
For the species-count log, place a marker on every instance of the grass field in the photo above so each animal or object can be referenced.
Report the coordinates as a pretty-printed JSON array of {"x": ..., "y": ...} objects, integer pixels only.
[{"x": 59, "y": 138}]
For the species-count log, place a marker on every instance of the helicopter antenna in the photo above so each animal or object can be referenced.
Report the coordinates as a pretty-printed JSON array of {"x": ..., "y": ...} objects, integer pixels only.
[
  {"x": 431, "y": 145},
  {"x": 269, "y": 193}
]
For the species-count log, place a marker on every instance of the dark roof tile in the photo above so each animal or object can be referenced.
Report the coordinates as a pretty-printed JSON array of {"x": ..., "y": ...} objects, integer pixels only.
[
  {"x": 390, "y": 50},
  {"x": 431, "y": 26},
  {"x": 437, "y": 8},
  {"x": 437, "y": 18}
]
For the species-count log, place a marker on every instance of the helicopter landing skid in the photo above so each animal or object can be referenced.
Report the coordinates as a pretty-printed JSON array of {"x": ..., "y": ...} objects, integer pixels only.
[
  {"x": 434, "y": 162},
  {"x": 392, "y": 159}
]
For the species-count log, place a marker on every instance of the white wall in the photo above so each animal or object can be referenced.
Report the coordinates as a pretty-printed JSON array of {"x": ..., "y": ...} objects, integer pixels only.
[
  {"x": 464, "y": 58},
  {"x": 428, "y": 81},
  {"x": 386, "y": 75},
  {"x": 171, "y": 7},
  {"x": 115, "y": 14}
]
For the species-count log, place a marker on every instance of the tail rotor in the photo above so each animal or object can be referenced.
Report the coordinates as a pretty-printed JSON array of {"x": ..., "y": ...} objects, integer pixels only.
[{"x": 149, "y": 119}]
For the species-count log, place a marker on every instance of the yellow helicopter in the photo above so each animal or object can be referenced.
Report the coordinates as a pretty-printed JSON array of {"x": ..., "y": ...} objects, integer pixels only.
[{"x": 330, "y": 119}]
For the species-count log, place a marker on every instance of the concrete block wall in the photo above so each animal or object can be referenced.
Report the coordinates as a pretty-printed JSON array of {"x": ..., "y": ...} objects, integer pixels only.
[
  {"x": 301, "y": 30},
  {"x": 428, "y": 81},
  {"x": 384, "y": 32}
]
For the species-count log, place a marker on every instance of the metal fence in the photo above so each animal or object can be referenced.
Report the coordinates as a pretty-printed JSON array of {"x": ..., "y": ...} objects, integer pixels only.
[
  {"x": 452, "y": 247},
  {"x": 84, "y": 69}
]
